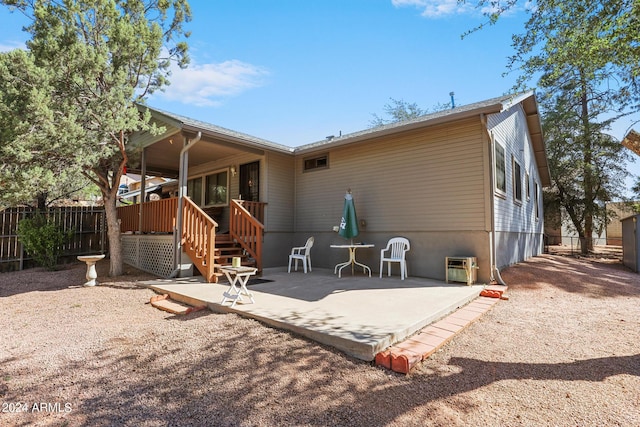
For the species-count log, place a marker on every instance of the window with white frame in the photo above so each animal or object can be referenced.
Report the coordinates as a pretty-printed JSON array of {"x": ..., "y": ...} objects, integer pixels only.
[
  {"x": 517, "y": 180},
  {"x": 535, "y": 199},
  {"x": 209, "y": 190},
  {"x": 500, "y": 169},
  {"x": 527, "y": 189},
  {"x": 216, "y": 189}
]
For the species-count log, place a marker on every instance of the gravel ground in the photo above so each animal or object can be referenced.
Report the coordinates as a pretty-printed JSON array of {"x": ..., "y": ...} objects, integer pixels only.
[{"x": 564, "y": 350}]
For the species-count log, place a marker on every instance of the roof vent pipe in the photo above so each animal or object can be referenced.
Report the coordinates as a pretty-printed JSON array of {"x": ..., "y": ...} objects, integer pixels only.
[{"x": 453, "y": 103}]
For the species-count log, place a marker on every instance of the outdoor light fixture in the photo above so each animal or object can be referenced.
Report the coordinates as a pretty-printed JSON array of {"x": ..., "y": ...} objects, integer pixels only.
[{"x": 233, "y": 171}]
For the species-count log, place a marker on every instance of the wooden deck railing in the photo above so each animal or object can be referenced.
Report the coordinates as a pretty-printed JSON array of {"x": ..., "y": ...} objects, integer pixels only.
[
  {"x": 198, "y": 238},
  {"x": 247, "y": 230},
  {"x": 158, "y": 216},
  {"x": 198, "y": 228},
  {"x": 254, "y": 208}
]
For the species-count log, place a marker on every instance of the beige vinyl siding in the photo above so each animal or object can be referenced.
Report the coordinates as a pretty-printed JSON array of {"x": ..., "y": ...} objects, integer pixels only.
[
  {"x": 278, "y": 186},
  {"x": 424, "y": 180},
  {"x": 279, "y": 192}
]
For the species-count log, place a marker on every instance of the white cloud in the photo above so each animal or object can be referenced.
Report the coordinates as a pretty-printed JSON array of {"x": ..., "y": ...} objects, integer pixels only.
[
  {"x": 206, "y": 84},
  {"x": 6, "y": 47},
  {"x": 436, "y": 8}
]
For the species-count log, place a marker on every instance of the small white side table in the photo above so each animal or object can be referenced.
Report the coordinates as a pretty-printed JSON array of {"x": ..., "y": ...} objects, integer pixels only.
[
  {"x": 91, "y": 268},
  {"x": 237, "y": 275}
]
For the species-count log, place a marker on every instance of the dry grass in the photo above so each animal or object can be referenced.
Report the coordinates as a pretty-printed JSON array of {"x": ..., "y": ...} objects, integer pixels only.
[{"x": 564, "y": 350}]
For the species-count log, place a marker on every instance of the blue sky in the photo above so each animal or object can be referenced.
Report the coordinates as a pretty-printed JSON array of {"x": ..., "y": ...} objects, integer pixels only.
[{"x": 294, "y": 72}]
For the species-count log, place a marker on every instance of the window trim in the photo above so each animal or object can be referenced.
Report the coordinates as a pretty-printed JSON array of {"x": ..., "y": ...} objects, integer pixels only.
[
  {"x": 203, "y": 187},
  {"x": 502, "y": 192},
  {"x": 315, "y": 167},
  {"x": 516, "y": 176},
  {"x": 536, "y": 196}
]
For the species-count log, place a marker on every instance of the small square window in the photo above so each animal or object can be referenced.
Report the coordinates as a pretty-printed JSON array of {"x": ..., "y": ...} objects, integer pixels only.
[{"x": 320, "y": 162}]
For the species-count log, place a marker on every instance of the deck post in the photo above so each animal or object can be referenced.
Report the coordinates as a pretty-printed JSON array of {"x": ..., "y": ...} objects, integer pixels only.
[{"x": 183, "y": 173}]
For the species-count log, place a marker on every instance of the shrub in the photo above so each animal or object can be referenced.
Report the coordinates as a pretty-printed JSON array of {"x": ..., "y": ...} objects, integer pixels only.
[{"x": 42, "y": 239}]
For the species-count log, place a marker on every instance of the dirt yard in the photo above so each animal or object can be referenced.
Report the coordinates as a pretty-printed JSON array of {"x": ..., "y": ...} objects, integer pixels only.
[{"x": 564, "y": 350}]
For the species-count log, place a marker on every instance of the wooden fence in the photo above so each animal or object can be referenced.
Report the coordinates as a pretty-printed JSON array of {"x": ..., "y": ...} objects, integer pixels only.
[{"x": 88, "y": 225}]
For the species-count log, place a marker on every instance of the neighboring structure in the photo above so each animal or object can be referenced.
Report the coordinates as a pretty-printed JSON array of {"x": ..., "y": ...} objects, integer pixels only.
[
  {"x": 569, "y": 234},
  {"x": 608, "y": 232},
  {"x": 616, "y": 212},
  {"x": 632, "y": 141},
  {"x": 157, "y": 187},
  {"x": 460, "y": 182},
  {"x": 631, "y": 243}
]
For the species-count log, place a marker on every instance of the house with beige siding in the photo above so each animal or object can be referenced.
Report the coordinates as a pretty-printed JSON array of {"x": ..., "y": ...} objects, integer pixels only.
[{"x": 465, "y": 182}]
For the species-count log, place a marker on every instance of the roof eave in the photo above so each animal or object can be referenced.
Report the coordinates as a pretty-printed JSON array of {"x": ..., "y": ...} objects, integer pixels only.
[
  {"x": 220, "y": 134},
  {"x": 395, "y": 128},
  {"x": 530, "y": 106}
]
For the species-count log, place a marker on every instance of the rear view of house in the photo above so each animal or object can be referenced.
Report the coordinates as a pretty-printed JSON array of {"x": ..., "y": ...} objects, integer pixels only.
[{"x": 464, "y": 182}]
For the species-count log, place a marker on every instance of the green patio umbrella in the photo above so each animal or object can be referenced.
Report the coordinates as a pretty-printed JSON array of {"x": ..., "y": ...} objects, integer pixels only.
[{"x": 349, "y": 222}]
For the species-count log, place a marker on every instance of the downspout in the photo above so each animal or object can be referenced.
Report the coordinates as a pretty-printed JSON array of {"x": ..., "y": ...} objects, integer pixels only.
[
  {"x": 143, "y": 187},
  {"x": 182, "y": 191},
  {"x": 493, "y": 252}
]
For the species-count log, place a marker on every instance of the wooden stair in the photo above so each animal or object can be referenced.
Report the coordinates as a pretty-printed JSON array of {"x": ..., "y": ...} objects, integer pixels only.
[
  {"x": 226, "y": 249},
  {"x": 210, "y": 251}
]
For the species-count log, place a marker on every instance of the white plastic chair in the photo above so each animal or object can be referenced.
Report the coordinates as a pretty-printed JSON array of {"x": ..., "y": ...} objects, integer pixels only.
[
  {"x": 302, "y": 253},
  {"x": 397, "y": 247}
]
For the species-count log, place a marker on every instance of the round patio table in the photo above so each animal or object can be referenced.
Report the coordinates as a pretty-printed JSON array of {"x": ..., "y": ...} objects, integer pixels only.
[{"x": 352, "y": 258}]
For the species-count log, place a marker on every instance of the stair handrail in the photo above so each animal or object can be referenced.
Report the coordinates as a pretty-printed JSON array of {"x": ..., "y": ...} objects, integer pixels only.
[
  {"x": 254, "y": 208},
  {"x": 199, "y": 238},
  {"x": 245, "y": 229}
]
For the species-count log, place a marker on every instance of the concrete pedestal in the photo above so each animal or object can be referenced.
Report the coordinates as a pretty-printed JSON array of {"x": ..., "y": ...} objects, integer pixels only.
[{"x": 92, "y": 275}]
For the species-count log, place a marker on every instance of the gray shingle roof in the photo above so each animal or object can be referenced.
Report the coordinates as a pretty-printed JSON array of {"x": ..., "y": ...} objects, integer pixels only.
[
  {"x": 189, "y": 124},
  {"x": 490, "y": 105},
  {"x": 493, "y": 105}
]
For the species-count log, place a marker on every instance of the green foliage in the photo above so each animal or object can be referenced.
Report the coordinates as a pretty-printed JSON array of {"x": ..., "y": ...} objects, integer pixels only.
[
  {"x": 71, "y": 101},
  {"x": 584, "y": 55},
  {"x": 587, "y": 165},
  {"x": 602, "y": 36},
  {"x": 42, "y": 239},
  {"x": 400, "y": 111}
]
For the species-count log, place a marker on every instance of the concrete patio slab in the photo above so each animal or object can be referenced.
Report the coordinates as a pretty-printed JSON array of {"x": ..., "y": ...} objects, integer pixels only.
[{"x": 358, "y": 315}]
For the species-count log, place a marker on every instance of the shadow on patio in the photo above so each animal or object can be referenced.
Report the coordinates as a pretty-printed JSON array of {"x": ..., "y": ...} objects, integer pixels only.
[{"x": 358, "y": 315}]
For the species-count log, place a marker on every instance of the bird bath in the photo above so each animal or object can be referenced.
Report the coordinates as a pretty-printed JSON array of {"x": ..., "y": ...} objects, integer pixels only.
[{"x": 92, "y": 275}]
